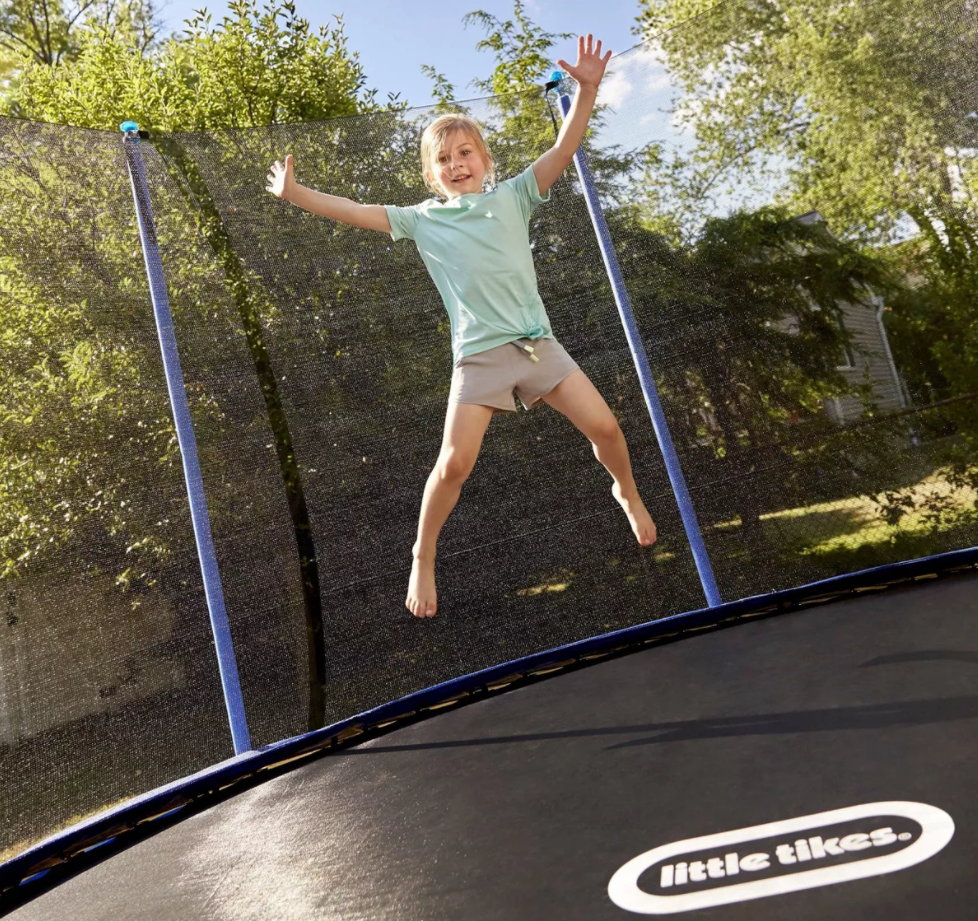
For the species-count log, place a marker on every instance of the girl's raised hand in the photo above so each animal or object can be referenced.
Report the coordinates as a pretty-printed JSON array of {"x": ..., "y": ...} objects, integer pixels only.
[
  {"x": 590, "y": 65},
  {"x": 280, "y": 178}
]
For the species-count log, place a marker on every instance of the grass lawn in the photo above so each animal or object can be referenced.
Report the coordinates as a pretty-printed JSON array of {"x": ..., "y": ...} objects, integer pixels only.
[
  {"x": 826, "y": 538},
  {"x": 831, "y": 528}
]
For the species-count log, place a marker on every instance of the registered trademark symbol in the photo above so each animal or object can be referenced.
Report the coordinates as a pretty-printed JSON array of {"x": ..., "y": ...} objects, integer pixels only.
[{"x": 904, "y": 836}]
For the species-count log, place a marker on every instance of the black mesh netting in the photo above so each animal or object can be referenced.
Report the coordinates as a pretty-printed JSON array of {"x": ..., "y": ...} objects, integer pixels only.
[{"x": 807, "y": 330}]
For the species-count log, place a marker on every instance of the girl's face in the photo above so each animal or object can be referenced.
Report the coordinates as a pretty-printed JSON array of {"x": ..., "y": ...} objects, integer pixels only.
[{"x": 457, "y": 168}]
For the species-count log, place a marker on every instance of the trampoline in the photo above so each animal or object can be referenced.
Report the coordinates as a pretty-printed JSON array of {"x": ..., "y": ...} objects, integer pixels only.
[
  {"x": 524, "y": 804},
  {"x": 218, "y": 416}
]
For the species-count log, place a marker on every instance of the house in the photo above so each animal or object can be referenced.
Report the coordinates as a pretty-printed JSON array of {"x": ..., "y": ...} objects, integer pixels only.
[{"x": 869, "y": 360}]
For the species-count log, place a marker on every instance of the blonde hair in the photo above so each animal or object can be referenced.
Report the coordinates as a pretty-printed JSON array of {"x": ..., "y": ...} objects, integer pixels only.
[{"x": 437, "y": 133}]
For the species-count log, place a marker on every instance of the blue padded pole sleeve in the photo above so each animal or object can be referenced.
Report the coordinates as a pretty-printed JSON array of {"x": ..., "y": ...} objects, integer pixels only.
[
  {"x": 641, "y": 360},
  {"x": 188, "y": 447}
]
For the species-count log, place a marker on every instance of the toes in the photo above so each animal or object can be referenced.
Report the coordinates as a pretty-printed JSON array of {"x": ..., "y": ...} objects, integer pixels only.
[{"x": 421, "y": 609}]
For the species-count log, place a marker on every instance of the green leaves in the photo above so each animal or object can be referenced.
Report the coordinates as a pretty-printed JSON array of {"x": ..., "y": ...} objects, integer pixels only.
[
  {"x": 258, "y": 66},
  {"x": 81, "y": 402},
  {"x": 51, "y": 33},
  {"x": 441, "y": 89},
  {"x": 852, "y": 105},
  {"x": 520, "y": 47},
  {"x": 863, "y": 111}
]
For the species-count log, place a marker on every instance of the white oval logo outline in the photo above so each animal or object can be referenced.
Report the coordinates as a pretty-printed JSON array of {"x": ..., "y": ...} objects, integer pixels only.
[{"x": 937, "y": 828}]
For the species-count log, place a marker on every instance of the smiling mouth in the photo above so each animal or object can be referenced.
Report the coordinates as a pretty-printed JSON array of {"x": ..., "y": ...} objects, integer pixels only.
[{"x": 461, "y": 178}]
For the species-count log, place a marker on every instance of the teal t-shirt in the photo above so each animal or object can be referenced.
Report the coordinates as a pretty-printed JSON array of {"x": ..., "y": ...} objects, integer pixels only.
[{"x": 477, "y": 250}]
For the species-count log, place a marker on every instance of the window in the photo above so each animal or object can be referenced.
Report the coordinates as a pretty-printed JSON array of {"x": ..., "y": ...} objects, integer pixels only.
[{"x": 848, "y": 362}]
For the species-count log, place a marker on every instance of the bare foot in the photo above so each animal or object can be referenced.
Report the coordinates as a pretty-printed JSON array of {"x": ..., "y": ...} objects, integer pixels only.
[
  {"x": 638, "y": 517},
  {"x": 422, "y": 599}
]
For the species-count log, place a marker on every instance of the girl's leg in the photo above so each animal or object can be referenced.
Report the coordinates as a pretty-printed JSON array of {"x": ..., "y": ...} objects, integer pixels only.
[
  {"x": 465, "y": 426},
  {"x": 578, "y": 399}
]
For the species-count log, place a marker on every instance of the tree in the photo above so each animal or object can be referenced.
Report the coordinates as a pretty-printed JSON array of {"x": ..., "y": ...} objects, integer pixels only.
[
  {"x": 862, "y": 111},
  {"x": 520, "y": 48},
  {"x": 859, "y": 110},
  {"x": 441, "y": 89},
  {"x": 854, "y": 105},
  {"x": 48, "y": 33},
  {"x": 257, "y": 67}
]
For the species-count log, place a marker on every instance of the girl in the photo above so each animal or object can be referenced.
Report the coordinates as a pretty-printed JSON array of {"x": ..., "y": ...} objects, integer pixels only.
[{"x": 475, "y": 245}]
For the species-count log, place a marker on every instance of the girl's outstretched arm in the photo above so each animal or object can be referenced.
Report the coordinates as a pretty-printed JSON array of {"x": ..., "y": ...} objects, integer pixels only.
[
  {"x": 282, "y": 184},
  {"x": 588, "y": 73}
]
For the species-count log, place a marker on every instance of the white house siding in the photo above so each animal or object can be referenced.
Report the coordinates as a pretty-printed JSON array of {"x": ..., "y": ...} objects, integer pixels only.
[
  {"x": 872, "y": 364},
  {"x": 872, "y": 361}
]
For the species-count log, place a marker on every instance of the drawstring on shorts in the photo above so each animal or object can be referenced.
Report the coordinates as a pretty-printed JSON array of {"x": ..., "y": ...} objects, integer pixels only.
[{"x": 528, "y": 349}]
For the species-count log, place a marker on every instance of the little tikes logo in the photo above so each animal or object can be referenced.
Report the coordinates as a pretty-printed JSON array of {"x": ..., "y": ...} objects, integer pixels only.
[{"x": 752, "y": 863}]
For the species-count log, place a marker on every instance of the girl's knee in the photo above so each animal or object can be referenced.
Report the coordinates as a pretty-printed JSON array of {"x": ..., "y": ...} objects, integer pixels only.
[
  {"x": 606, "y": 430},
  {"x": 454, "y": 466}
]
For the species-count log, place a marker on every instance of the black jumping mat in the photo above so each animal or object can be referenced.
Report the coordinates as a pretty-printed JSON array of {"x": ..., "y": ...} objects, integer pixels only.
[{"x": 826, "y": 758}]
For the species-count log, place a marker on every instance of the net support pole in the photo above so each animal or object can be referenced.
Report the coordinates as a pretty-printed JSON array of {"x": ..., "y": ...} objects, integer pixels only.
[
  {"x": 220, "y": 626},
  {"x": 641, "y": 360}
]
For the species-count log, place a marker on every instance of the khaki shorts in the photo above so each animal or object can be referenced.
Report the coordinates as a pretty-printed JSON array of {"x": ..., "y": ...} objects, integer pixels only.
[{"x": 490, "y": 378}]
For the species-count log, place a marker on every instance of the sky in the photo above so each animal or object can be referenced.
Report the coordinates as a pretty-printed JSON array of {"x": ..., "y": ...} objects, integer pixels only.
[{"x": 395, "y": 37}]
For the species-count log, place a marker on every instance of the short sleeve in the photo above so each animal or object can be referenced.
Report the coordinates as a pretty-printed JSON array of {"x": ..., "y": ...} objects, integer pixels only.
[
  {"x": 527, "y": 191},
  {"x": 403, "y": 221}
]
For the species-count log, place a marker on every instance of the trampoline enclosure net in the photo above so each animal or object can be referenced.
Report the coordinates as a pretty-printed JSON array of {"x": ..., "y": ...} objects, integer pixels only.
[{"x": 783, "y": 328}]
